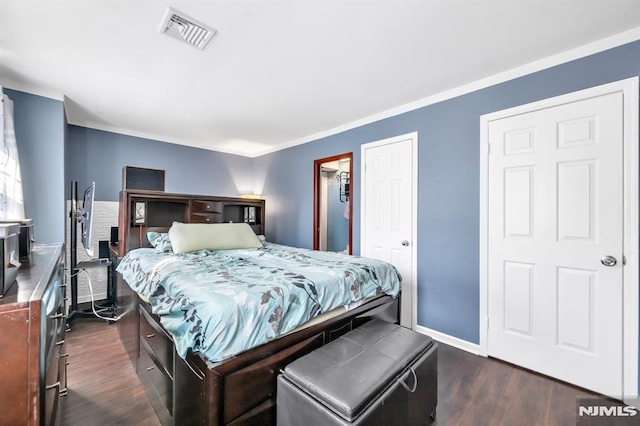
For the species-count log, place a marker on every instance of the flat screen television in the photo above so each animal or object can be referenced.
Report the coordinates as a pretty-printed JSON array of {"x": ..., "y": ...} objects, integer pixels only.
[{"x": 86, "y": 218}]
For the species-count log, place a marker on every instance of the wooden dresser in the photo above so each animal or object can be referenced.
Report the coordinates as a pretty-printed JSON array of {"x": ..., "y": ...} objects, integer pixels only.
[{"x": 32, "y": 326}]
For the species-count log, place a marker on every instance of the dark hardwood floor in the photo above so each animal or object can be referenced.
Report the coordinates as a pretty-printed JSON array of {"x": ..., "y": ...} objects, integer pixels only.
[
  {"x": 472, "y": 390},
  {"x": 103, "y": 386}
]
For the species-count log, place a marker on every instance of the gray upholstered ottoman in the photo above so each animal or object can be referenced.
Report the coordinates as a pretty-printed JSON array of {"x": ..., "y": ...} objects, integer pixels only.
[{"x": 378, "y": 374}]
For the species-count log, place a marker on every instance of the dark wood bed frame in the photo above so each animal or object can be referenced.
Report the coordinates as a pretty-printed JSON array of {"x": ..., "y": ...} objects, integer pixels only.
[{"x": 240, "y": 390}]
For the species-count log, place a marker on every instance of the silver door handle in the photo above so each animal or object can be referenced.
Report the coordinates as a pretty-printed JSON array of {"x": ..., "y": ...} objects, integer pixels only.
[
  {"x": 405, "y": 243},
  {"x": 608, "y": 261}
]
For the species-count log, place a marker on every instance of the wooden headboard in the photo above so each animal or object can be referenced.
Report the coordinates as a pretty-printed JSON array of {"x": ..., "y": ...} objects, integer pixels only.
[{"x": 144, "y": 211}]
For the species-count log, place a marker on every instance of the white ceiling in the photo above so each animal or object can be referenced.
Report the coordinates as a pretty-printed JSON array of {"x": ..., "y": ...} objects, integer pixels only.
[{"x": 278, "y": 73}]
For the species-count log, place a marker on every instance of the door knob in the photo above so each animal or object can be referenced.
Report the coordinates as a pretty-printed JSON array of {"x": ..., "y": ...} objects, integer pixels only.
[
  {"x": 608, "y": 261},
  {"x": 405, "y": 243}
]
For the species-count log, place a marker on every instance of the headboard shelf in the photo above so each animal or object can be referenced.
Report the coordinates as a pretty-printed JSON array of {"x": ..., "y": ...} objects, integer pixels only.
[{"x": 140, "y": 210}]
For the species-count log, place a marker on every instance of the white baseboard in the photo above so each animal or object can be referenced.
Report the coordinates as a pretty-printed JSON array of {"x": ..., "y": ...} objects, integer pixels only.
[
  {"x": 633, "y": 401},
  {"x": 449, "y": 340}
]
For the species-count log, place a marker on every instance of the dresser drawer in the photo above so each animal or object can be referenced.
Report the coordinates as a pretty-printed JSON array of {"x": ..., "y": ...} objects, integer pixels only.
[
  {"x": 157, "y": 383},
  {"x": 52, "y": 332},
  {"x": 158, "y": 341},
  {"x": 240, "y": 398},
  {"x": 52, "y": 385},
  {"x": 206, "y": 218},
  {"x": 263, "y": 414},
  {"x": 201, "y": 206}
]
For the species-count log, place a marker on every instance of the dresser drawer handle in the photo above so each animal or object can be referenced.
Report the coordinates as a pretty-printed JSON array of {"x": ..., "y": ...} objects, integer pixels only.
[
  {"x": 208, "y": 206},
  {"x": 64, "y": 390},
  {"x": 53, "y": 386},
  {"x": 149, "y": 336},
  {"x": 150, "y": 368},
  {"x": 59, "y": 315},
  {"x": 60, "y": 343}
]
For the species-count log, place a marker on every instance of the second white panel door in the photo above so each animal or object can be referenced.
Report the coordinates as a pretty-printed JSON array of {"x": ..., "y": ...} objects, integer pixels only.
[
  {"x": 555, "y": 212},
  {"x": 388, "y": 208}
]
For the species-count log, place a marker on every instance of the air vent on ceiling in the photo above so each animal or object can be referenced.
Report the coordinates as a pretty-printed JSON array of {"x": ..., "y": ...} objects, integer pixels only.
[{"x": 180, "y": 26}]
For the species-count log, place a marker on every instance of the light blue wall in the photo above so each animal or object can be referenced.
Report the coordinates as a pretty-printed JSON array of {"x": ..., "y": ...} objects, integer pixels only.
[
  {"x": 448, "y": 181},
  {"x": 285, "y": 180},
  {"x": 98, "y": 156},
  {"x": 52, "y": 153},
  {"x": 40, "y": 126}
]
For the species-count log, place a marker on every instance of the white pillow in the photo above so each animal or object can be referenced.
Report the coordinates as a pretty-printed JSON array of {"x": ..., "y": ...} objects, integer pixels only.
[{"x": 186, "y": 237}]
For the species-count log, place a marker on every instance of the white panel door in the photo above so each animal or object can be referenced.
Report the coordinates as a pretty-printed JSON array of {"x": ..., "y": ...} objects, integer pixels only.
[
  {"x": 555, "y": 210},
  {"x": 388, "y": 211}
]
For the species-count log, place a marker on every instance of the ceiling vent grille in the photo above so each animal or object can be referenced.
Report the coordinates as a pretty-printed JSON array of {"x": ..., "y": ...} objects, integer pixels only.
[{"x": 178, "y": 25}]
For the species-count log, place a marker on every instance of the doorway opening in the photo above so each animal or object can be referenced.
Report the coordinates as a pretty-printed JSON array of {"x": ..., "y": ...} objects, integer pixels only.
[{"x": 332, "y": 203}]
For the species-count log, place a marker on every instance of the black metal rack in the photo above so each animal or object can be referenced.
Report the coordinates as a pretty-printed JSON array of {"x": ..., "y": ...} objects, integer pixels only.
[{"x": 75, "y": 268}]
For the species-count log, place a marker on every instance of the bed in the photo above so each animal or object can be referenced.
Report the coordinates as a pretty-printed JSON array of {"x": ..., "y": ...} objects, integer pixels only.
[{"x": 209, "y": 330}]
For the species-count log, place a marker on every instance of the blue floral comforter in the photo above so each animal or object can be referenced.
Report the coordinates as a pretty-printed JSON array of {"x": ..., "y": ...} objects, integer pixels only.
[{"x": 221, "y": 303}]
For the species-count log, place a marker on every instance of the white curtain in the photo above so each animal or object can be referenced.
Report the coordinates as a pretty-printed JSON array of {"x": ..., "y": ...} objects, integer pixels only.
[{"x": 11, "y": 199}]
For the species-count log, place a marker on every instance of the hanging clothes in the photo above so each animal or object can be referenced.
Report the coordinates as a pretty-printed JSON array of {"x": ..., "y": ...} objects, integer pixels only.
[{"x": 345, "y": 210}]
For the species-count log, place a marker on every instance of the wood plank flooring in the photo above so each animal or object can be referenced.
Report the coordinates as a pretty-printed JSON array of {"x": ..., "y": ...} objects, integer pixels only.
[
  {"x": 103, "y": 386},
  {"x": 472, "y": 390}
]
